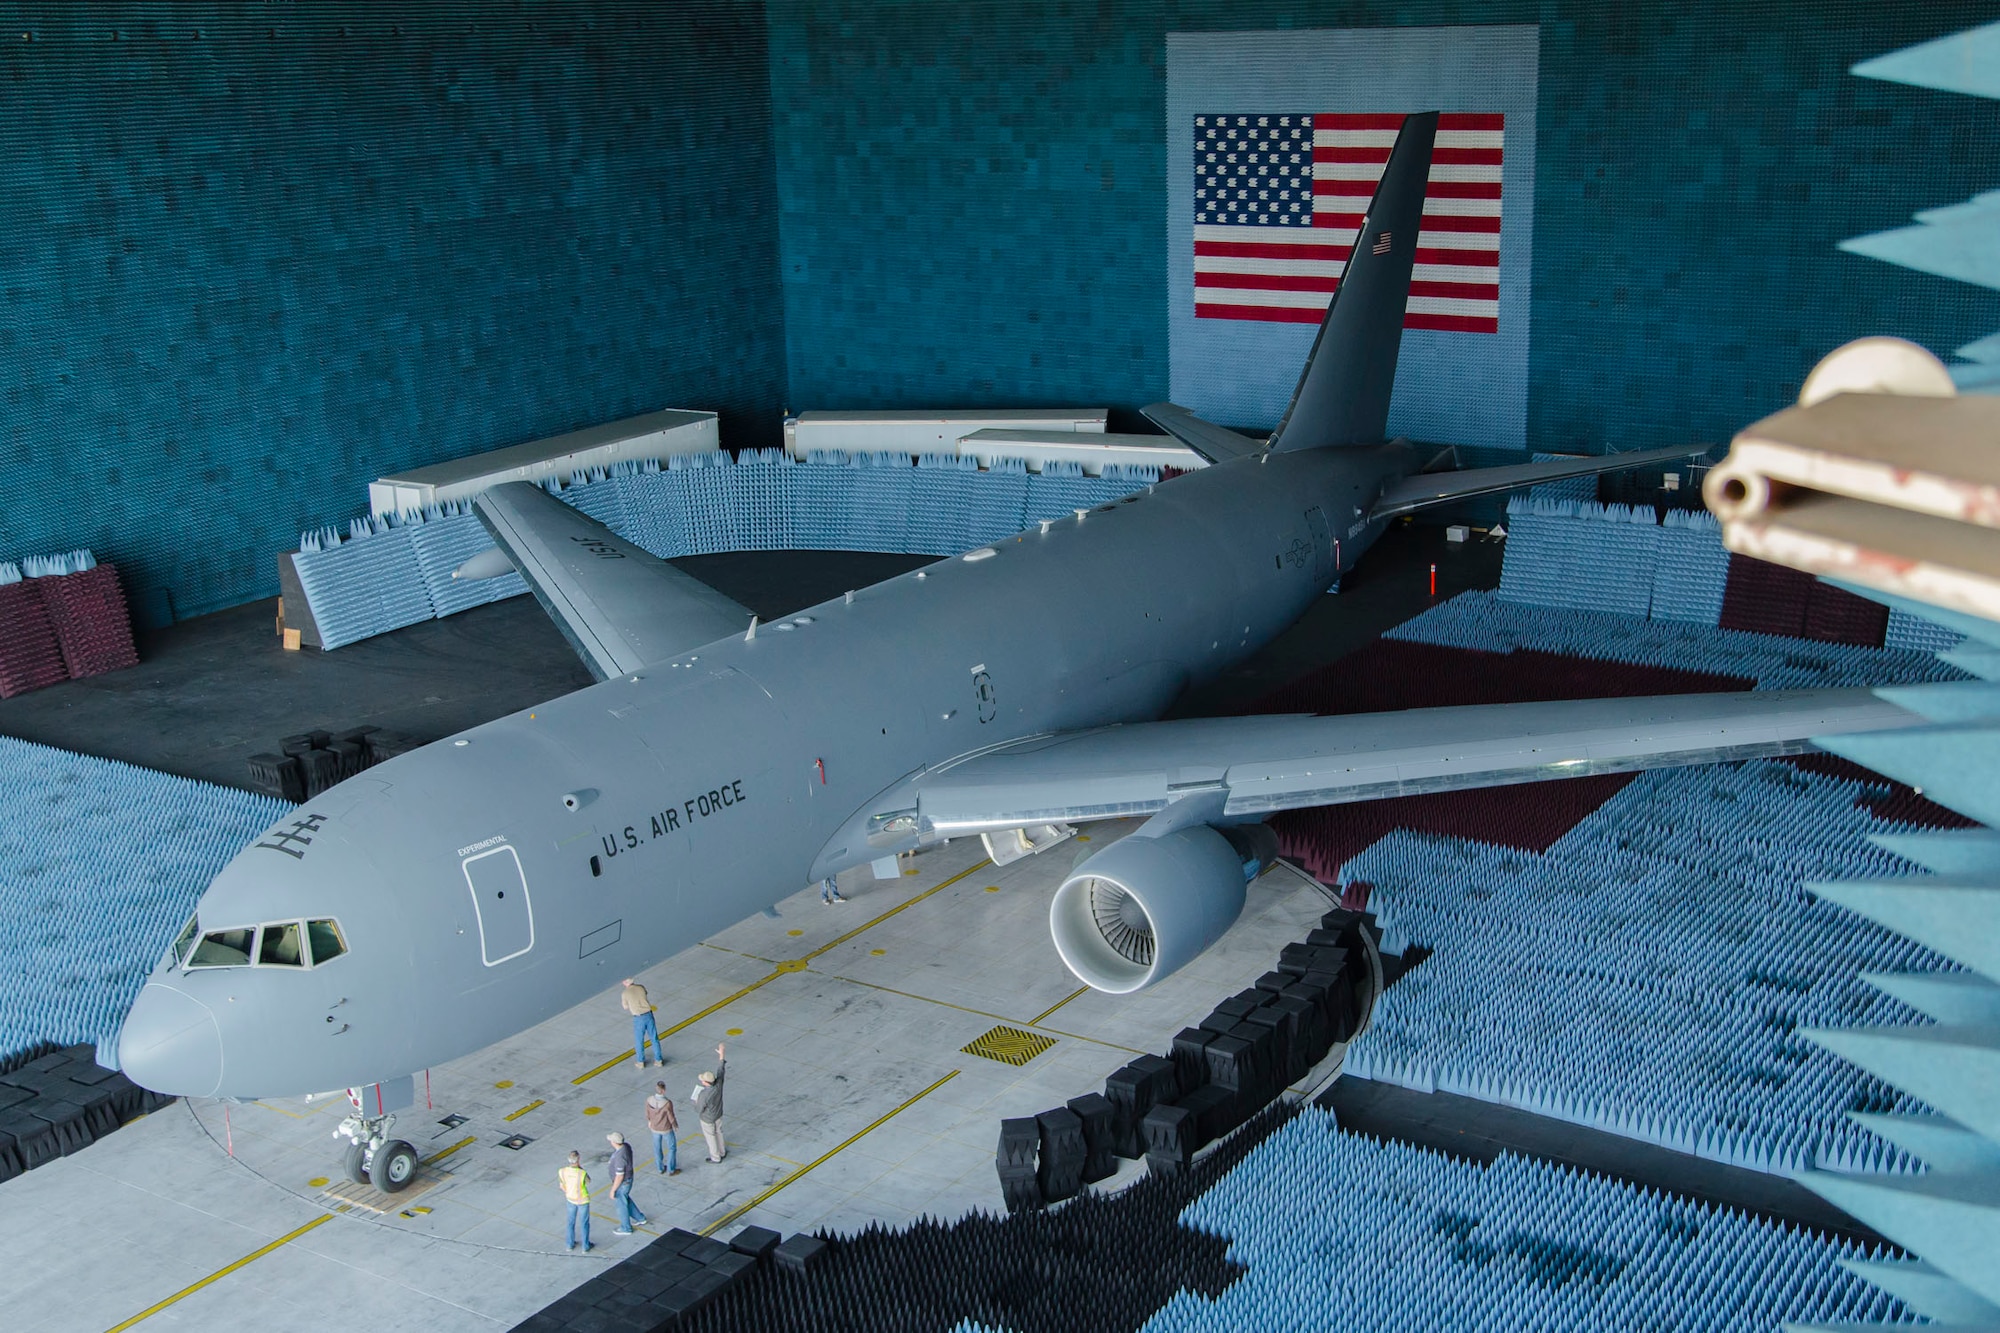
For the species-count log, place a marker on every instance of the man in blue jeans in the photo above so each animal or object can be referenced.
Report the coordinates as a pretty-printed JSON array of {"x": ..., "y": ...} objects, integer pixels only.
[
  {"x": 622, "y": 1207},
  {"x": 660, "y": 1118},
  {"x": 575, "y": 1182},
  {"x": 633, "y": 999}
]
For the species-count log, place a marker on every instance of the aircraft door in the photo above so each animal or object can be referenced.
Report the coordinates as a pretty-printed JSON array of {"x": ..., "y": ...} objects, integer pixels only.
[{"x": 500, "y": 901}]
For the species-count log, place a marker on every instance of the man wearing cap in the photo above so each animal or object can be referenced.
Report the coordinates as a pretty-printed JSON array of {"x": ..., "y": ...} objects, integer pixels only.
[
  {"x": 575, "y": 1182},
  {"x": 622, "y": 1207},
  {"x": 634, "y": 1001},
  {"x": 708, "y": 1100}
]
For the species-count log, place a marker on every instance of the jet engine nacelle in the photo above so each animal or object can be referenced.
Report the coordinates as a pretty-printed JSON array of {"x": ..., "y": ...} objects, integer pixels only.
[{"x": 1145, "y": 906}]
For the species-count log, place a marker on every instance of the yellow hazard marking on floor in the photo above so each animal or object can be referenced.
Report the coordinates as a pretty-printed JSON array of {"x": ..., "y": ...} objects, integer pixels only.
[
  {"x": 781, "y": 969},
  {"x": 516, "y": 1115},
  {"x": 828, "y": 1155},
  {"x": 504, "y": 1083},
  {"x": 221, "y": 1273},
  {"x": 993, "y": 888},
  {"x": 877, "y": 953},
  {"x": 795, "y": 932},
  {"x": 1057, "y": 1005},
  {"x": 1010, "y": 1046},
  {"x": 593, "y": 1110},
  {"x": 279, "y": 1109},
  {"x": 733, "y": 1032},
  {"x": 316, "y": 1182},
  {"x": 440, "y": 1155}
]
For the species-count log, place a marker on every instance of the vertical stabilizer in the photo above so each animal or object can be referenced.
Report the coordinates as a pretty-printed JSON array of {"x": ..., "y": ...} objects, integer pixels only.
[{"x": 1343, "y": 396}]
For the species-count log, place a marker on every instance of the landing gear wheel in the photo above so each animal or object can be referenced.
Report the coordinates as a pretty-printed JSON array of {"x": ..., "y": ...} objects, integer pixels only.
[
  {"x": 356, "y": 1161},
  {"x": 394, "y": 1167}
]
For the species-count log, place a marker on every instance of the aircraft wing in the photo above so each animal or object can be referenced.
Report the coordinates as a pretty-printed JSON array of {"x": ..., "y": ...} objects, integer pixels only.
[
  {"x": 1436, "y": 488},
  {"x": 1266, "y": 764},
  {"x": 1218, "y": 444},
  {"x": 620, "y": 607}
]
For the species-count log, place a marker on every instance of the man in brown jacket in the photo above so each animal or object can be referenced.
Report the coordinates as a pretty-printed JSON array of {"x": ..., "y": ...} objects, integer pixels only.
[{"x": 661, "y": 1120}]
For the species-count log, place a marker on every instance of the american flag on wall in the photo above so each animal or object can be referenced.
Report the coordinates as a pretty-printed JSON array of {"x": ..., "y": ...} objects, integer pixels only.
[{"x": 1278, "y": 200}]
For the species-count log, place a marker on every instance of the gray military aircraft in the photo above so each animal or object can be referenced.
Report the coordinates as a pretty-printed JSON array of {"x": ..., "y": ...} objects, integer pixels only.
[{"x": 456, "y": 895}]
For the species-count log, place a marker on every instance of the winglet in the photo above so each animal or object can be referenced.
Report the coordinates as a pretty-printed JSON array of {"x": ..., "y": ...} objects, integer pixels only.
[{"x": 1343, "y": 395}]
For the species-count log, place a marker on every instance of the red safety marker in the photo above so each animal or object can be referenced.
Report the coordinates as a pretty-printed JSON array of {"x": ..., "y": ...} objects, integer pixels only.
[
  {"x": 1434, "y": 580},
  {"x": 820, "y": 764},
  {"x": 228, "y": 1134}
]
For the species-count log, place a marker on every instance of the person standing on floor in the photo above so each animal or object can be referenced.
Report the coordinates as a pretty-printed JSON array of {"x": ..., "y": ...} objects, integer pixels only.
[
  {"x": 575, "y": 1182},
  {"x": 644, "y": 1026},
  {"x": 708, "y": 1104},
  {"x": 660, "y": 1118},
  {"x": 622, "y": 1207},
  {"x": 829, "y": 891}
]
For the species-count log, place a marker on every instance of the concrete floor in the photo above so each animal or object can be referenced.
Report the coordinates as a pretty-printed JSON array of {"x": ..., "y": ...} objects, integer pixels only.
[{"x": 850, "y": 1099}]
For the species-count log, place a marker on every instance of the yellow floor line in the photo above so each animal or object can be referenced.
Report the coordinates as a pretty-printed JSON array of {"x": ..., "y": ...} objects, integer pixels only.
[
  {"x": 440, "y": 1156},
  {"x": 516, "y": 1115},
  {"x": 221, "y": 1273},
  {"x": 1057, "y": 1005},
  {"x": 839, "y": 940},
  {"x": 781, "y": 969},
  {"x": 826, "y": 1156},
  {"x": 998, "y": 1018}
]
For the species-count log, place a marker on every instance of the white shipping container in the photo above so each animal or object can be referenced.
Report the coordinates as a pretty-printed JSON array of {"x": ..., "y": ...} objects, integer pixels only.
[
  {"x": 925, "y": 432},
  {"x": 654, "y": 435},
  {"x": 1038, "y": 448}
]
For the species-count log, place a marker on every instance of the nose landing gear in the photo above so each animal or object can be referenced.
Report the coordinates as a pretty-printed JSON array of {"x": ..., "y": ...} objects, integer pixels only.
[{"x": 374, "y": 1158}]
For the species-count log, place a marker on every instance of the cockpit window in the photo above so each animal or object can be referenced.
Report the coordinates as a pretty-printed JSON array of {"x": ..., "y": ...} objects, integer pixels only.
[
  {"x": 183, "y": 941},
  {"x": 223, "y": 948},
  {"x": 327, "y": 943},
  {"x": 281, "y": 945}
]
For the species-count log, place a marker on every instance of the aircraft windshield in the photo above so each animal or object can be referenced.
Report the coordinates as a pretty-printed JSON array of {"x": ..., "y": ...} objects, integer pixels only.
[
  {"x": 327, "y": 942},
  {"x": 223, "y": 948},
  {"x": 182, "y": 942},
  {"x": 281, "y": 946},
  {"x": 299, "y": 944}
]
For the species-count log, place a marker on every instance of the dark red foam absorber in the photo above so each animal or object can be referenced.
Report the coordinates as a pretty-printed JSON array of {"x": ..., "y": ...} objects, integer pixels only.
[
  {"x": 1886, "y": 798},
  {"x": 1390, "y": 674},
  {"x": 1763, "y": 598},
  {"x": 91, "y": 621},
  {"x": 29, "y": 654}
]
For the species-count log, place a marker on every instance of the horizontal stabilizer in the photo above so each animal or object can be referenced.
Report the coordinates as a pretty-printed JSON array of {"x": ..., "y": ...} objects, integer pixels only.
[
  {"x": 620, "y": 607},
  {"x": 1436, "y": 488},
  {"x": 1267, "y": 764},
  {"x": 1218, "y": 444}
]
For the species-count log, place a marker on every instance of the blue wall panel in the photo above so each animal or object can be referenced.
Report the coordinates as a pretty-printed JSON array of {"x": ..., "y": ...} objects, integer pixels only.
[
  {"x": 974, "y": 199},
  {"x": 252, "y": 257}
]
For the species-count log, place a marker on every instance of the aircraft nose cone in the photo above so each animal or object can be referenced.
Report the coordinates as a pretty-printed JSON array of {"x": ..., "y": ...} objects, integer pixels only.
[{"x": 170, "y": 1044}]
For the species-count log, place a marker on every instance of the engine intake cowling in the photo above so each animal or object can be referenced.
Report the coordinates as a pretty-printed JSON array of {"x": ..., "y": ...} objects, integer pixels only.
[{"x": 1146, "y": 906}]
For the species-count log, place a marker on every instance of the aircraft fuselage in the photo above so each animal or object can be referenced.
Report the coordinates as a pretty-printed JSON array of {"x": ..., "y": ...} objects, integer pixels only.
[{"x": 489, "y": 881}]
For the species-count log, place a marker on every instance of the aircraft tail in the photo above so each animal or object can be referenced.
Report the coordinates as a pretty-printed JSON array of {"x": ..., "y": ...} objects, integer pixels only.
[{"x": 1343, "y": 395}]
